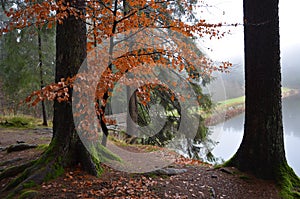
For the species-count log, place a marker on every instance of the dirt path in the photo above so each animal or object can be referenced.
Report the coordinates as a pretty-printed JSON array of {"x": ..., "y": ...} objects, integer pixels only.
[
  {"x": 10, "y": 137},
  {"x": 199, "y": 181}
]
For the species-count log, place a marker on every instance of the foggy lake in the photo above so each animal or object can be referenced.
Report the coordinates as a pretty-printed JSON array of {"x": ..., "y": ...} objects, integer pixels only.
[{"x": 230, "y": 133}]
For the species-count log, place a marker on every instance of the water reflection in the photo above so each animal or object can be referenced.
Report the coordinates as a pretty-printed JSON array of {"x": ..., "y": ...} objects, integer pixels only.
[
  {"x": 230, "y": 134},
  {"x": 291, "y": 116},
  {"x": 229, "y": 137}
]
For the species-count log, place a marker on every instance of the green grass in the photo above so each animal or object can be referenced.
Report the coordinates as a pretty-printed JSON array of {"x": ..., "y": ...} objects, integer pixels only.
[
  {"x": 20, "y": 121},
  {"x": 240, "y": 100},
  {"x": 285, "y": 89},
  {"x": 142, "y": 147},
  {"x": 232, "y": 102}
]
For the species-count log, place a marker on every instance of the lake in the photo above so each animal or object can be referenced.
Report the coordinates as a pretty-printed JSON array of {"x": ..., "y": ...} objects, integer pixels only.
[{"x": 230, "y": 133}]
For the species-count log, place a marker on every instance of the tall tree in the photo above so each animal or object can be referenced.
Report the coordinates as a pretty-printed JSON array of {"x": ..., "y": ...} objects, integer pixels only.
[
  {"x": 66, "y": 149},
  {"x": 262, "y": 149},
  {"x": 21, "y": 51},
  {"x": 71, "y": 17},
  {"x": 70, "y": 53},
  {"x": 44, "y": 114}
]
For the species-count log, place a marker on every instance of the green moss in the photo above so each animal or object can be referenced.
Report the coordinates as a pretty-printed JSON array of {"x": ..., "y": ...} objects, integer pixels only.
[
  {"x": 286, "y": 179},
  {"x": 43, "y": 146},
  {"x": 231, "y": 162},
  {"x": 20, "y": 178},
  {"x": 57, "y": 170},
  {"x": 102, "y": 154},
  {"x": 28, "y": 194},
  {"x": 218, "y": 166},
  {"x": 98, "y": 166},
  {"x": 289, "y": 183},
  {"x": 29, "y": 184}
]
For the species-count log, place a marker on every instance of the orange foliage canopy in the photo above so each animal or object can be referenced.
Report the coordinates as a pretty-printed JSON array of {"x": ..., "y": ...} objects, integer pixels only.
[{"x": 108, "y": 18}]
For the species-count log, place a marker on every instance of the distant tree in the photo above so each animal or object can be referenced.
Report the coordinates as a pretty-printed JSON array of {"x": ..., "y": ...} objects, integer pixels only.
[
  {"x": 20, "y": 70},
  {"x": 23, "y": 53},
  {"x": 262, "y": 149}
]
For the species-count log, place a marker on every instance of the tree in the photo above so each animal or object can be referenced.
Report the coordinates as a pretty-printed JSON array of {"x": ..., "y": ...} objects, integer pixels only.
[
  {"x": 18, "y": 70},
  {"x": 262, "y": 149},
  {"x": 22, "y": 51},
  {"x": 66, "y": 149},
  {"x": 45, "y": 123},
  {"x": 70, "y": 53}
]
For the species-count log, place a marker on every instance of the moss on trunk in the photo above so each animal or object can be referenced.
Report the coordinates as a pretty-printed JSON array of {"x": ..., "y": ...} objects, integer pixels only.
[{"x": 288, "y": 182}]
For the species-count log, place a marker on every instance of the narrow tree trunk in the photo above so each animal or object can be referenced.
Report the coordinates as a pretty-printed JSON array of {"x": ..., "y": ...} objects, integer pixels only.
[
  {"x": 44, "y": 114},
  {"x": 132, "y": 113}
]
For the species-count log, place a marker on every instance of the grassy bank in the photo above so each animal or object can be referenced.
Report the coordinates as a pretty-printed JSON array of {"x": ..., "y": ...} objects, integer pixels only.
[{"x": 227, "y": 109}]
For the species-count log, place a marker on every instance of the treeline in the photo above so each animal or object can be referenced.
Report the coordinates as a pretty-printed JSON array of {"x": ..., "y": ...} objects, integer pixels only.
[{"x": 27, "y": 62}]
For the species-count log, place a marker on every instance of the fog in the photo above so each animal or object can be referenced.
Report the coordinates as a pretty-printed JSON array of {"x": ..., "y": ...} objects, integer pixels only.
[{"x": 231, "y": 47}]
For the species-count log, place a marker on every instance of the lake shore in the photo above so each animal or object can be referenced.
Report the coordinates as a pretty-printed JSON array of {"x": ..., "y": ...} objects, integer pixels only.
[{"x": 230, "y": 108}]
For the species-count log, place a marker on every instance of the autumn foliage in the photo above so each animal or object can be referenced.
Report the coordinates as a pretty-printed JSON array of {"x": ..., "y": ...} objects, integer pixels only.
[{"x": 105, "y": 19}]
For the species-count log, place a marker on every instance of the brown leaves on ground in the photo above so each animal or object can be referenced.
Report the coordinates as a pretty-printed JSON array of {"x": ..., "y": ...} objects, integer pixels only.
[
  {"x": 200, "y": 181},
  {"x": 112, "y": 184}
]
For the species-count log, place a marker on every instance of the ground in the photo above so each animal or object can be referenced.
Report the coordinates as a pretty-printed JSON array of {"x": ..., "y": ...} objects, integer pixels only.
[{"x": 200, "y": 181}]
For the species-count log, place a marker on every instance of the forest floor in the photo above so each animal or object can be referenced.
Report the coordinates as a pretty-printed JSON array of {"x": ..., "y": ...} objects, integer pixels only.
[{"x": 200, "y": 180}]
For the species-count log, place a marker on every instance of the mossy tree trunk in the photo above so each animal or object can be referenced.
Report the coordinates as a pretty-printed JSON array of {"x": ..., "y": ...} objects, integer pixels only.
[
  {"x": 262, "y": 149},
  {"x": 66, "y": 149},
  {"x": 70, "y": 53}
]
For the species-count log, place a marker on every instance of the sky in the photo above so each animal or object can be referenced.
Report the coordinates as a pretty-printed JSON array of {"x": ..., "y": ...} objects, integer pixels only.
[{"x": 232, "y": 45}]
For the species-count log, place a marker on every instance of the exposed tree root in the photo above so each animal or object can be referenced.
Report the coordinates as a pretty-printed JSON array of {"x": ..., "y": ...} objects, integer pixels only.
[
  {"x": 11, "y": 161},
  {"x": 31, "y": 176},
  {"x": 49, "y": 166},
  {"x": 15, "y": 170}
]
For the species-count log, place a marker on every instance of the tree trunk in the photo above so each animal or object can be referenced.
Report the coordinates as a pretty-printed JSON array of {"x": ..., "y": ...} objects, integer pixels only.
[
  {"x": 70, "y": 53},
  {"x": 44, "y": 114},
  {"x": 132, "y": 114},
  {"x": 262, "y": 149},
  {"x": 65, "y": 149}
]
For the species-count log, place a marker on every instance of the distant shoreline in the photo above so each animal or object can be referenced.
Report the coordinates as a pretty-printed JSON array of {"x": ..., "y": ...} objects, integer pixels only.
[{"x": 233, "y": 107}]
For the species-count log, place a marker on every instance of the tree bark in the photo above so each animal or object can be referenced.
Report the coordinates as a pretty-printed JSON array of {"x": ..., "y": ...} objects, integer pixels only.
[
  {"x": 70, "y": 53},
  {"x": 132, "y": 113},
  {"x": 262, "y": 149},
  {"x": 65, "y": 149},
  {"x": 44, "y": 114}
]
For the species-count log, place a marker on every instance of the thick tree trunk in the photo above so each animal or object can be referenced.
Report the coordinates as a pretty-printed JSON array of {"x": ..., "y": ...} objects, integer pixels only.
[
  {"x": 70, "y": 53},
  {"x": 65, "y": 149},
  {"x": 262, "y": 149}
]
